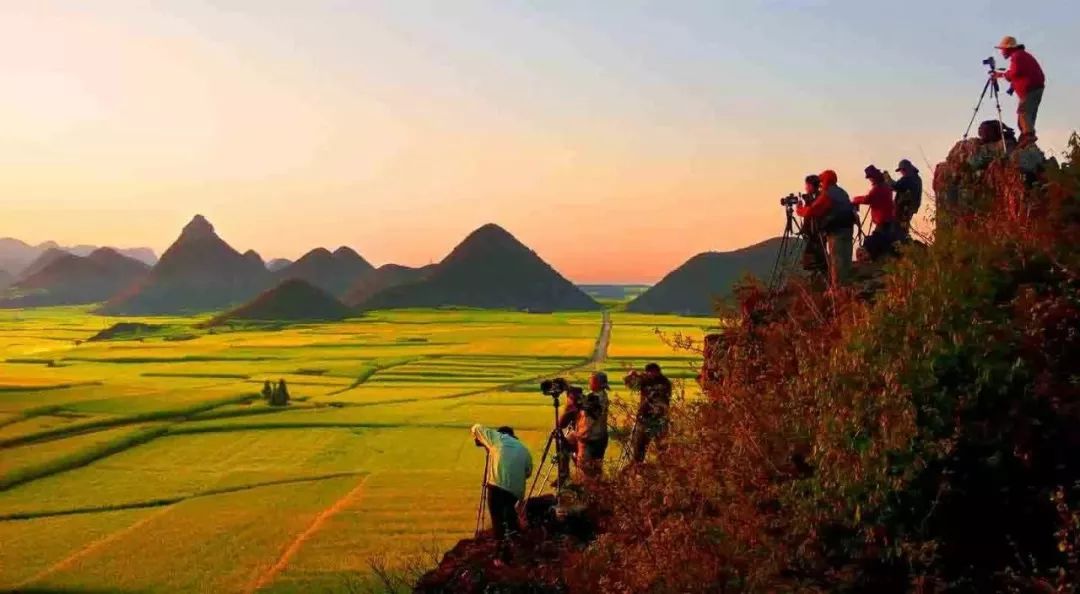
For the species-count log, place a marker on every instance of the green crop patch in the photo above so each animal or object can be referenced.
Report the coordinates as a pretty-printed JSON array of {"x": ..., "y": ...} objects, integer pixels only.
[{"x": 144, "y": 463}]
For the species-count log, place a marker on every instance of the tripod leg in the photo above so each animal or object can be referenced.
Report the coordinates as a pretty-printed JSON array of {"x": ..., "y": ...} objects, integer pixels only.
[
  {"x": 974, "y": 113},
  {"x": 543, "y": 457},
  {"x": 1001, "y": 121},
  {"x": 483, "y": 497}
]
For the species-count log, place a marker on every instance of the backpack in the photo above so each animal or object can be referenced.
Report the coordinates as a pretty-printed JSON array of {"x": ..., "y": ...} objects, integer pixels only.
[
  {"x": 841, "y": 214},
  {"x": 992, "y": 131}
]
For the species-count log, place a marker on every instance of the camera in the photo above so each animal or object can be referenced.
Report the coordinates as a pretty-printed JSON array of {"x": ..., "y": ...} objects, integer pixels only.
[
  {"x": 990, "y": 62},
  {"x": 789, "y": 201},
  {"x": 554, "y": 387}
]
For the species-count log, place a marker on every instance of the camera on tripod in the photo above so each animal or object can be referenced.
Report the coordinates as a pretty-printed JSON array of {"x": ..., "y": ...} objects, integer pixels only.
[
  {"x": 790, "y": 201},
  {"x": 554, "y": 387},
  {"x": 991, "y": 62}
]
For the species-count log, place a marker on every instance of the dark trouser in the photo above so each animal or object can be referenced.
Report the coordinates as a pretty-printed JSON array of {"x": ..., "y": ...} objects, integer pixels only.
[
  {"x": 814, "y": 258},
  {"x": 1027, "y": 111},
  {"x": 504, "y": 517},
  {"x": 646, "y": 431},
  {"x": 880, "y": 242},
  {"x": 591, "y": 456},
  {"x": 905, "y": 211}
]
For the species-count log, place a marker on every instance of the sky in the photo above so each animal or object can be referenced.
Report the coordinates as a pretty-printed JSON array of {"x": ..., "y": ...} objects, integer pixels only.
[{"x": 616, "y": 138}]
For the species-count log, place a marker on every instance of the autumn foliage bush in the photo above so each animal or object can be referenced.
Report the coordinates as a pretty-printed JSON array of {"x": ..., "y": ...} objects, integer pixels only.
[{"x": 926, "y": 439}]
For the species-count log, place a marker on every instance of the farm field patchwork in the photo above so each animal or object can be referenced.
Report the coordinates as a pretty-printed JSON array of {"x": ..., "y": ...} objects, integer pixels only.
[{"x": 161, "y": 449}]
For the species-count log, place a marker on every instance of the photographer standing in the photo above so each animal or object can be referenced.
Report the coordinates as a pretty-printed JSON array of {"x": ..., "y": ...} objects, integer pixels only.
[
  {"x": 1028, "y": 81},
  {"x": 834, "y": 215},
  {"x": 908, "y": 196},
  {"x": 814, "y": 258},
  {"x": 591, "y": 431},
  {"x": 509, "y": 465},
  {"x": 652, "y": 414},
  {"x": 568, "y": 420},
  {"x": 882, "y": 214}
]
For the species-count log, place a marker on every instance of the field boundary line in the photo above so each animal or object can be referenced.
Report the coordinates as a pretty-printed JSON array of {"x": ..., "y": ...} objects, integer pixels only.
[
  {"x": 166, "y": 501},
  {"x": 91, "y": 548},
  {"x": 294, "y": 547},
  {"x": 370, "y": 370},
  {"x": 177, "y": 414}
]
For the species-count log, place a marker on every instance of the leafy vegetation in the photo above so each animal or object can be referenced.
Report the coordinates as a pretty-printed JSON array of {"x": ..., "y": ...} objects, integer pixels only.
[{"x": 920, "y": 441}]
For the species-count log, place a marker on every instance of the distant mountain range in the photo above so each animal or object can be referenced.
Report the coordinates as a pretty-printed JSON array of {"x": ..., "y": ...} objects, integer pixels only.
[
  {"x": 16, "y": 255},
  {"x": 694, "y": 287},
  {"x": 60, "y": 278},
  {"x": 490, "y": 269},
  {"x": 617, "y": 292}
]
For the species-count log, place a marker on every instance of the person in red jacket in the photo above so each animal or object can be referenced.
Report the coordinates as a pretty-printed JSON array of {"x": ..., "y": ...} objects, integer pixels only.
[
  {"x": 882, "y": 214},
  {"x": 834, "y": 216},
  {"x": 1028, "y": 81}
]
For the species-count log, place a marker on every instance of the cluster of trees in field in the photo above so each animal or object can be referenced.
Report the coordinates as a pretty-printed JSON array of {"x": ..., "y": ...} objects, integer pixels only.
[{"x": 276, "y": 394}]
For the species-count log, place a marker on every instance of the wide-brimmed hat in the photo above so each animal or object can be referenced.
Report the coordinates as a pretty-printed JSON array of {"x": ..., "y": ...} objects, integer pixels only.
[
  {"x": 1007, "y": 42},
  {"x": 904, "y": 165}
]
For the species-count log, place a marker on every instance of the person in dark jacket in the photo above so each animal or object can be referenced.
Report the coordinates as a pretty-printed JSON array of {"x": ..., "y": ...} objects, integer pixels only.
[
  {"x": 908, "y": 196},
  {"x": 835, "y": 216},
  {"x": 1028, "y": 80},
  {"x": 652, "y": 413},
  {"x": 880, "y": 200},
  {"x": 814, "y": 258}
]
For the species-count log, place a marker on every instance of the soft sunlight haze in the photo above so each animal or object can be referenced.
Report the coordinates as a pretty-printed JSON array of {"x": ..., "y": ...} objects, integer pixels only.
[{"x": 616, "y": 138}]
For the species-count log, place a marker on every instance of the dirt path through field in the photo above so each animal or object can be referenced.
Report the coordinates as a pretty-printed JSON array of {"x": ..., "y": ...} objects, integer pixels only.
[
  {"x": 294, "y": 547},
  {"x": 91, "y": 548},
  {"x": 602, "y": 341}
]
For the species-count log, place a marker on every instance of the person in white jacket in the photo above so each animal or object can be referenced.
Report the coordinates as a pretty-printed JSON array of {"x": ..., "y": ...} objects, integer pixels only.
[{"x": 509, "y": 466}]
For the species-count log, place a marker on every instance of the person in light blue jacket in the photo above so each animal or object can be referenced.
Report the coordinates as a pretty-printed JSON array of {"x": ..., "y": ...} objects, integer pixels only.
[{"x": 509, "y": 466}]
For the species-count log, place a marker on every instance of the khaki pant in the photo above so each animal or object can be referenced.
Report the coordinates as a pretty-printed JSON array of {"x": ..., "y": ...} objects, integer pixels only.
[
  {"x": 840, "y": 248},
  {"x": 1027, "y": 111}
]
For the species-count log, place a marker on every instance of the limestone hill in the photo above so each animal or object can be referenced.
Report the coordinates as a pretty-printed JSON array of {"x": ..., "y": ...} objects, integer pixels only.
[
  {"x": 490, "y": 269},
  {"x": 292, "y": 300},
  {"x": 384, "y": 277},
  {"x": 692, "y": 289},
  {"x": 332, "y": 272},
  {"x": 198, "y": 272},
  {"x": 68, "y": 279}
]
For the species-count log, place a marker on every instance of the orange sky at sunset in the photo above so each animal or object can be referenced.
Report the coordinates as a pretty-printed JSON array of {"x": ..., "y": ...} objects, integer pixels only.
[{"x": 396, "y": 131}]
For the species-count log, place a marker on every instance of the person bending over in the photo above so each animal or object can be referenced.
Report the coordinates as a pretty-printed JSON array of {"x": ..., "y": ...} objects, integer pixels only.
[{"x": 509, "y": 465}]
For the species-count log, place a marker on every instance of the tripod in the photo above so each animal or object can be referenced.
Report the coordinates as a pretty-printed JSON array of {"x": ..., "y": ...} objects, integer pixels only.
[
  {"x": 788, "y": 247},
  {"x": 483, "y": 495},
  {"x": 556, "y": 437},
  {"x": 995, "y": 90}
]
